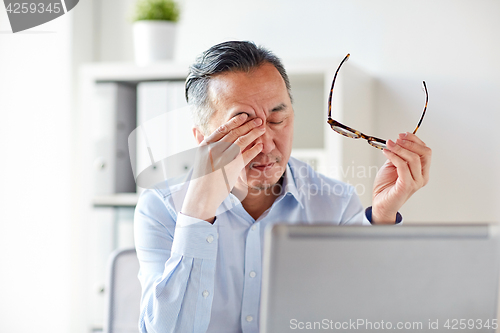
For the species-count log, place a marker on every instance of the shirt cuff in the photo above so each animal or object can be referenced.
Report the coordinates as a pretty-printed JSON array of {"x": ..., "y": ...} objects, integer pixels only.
[
  {"x": 195, "y": 238},
  {"x": 368, "y": 215}
]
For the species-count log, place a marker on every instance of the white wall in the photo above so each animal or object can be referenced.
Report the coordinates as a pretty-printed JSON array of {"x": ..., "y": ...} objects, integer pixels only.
[
  {"x": 452, "y": 44},
  {"x": 35, "y": 177}
]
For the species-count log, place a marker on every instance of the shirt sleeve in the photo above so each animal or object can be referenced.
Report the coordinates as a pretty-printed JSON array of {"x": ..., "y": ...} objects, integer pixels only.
[
  {"x": 368, "y": 216},
  {"x": 177, "y": 256},
  {"x": 355, "y": 214}
]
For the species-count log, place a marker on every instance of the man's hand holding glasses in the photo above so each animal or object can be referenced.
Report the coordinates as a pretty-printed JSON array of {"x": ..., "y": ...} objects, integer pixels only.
[{"x": 405, "y": 171}]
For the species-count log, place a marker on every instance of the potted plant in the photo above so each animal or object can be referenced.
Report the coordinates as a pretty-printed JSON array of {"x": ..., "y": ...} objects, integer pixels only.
[{"x": 154, "y": 30}]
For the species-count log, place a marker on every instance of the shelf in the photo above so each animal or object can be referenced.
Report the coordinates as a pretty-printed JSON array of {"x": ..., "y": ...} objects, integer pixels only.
[
  {"x": 167, "y": 70},
  {"x": 116, "y": 200},
  {"x": 131, "y": 73}
]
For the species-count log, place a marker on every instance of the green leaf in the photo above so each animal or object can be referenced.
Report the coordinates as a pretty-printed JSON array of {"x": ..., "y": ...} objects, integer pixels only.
[{"x": 164, "y": 10}]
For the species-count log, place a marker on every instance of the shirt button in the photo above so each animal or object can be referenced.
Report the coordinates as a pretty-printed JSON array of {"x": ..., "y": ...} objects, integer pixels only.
[
  {"x": 210, "y": 238},
  {"x": 249, "y": 318},
  {"x": 253, "y": 274},
  {"x": 254, "y": 227},
  {"x": 205, "y": 293}
]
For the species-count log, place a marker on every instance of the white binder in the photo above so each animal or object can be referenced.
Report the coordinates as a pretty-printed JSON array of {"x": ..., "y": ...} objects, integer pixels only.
[
  {"x": 113, "y": 118},
  {"x": 164, "y": 131}
]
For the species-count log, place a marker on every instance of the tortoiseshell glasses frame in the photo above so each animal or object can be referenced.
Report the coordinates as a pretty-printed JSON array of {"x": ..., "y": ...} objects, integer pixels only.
[{"x": 352, "y": 133}]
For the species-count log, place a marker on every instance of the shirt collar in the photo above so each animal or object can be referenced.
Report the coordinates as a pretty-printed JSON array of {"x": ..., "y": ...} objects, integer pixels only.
[{"x": 290, "y": 184}]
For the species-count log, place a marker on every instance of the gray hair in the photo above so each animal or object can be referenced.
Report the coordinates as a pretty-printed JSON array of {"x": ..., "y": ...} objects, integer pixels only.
[{"x": 224, "y": 57}]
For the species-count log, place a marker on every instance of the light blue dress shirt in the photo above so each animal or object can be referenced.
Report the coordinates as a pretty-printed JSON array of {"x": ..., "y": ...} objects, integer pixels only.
[{"x": 199, "y": 277}]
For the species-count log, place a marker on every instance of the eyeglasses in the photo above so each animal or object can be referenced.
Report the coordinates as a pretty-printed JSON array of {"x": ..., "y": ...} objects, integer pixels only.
[{"x": 352, "y": 133}]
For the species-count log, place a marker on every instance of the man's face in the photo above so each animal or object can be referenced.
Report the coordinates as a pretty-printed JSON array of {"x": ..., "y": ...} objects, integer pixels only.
[{"x": 260, "y": 93}]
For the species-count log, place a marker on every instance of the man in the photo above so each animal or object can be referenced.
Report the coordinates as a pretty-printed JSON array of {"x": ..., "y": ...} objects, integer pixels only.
[{"x": 201, "y": 259}]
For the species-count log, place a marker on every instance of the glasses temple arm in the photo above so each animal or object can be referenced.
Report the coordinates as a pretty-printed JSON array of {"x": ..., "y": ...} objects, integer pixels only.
[
  {"x": 425, "y": 107},
  {"x": 333, "y": 84}
]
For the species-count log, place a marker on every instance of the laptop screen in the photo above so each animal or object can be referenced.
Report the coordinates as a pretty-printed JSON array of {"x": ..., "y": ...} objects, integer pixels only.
[{"x": 413, "y": 277}]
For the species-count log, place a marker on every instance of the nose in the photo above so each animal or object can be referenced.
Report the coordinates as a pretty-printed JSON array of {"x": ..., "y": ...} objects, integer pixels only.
[{"x": 267, "y": 140}]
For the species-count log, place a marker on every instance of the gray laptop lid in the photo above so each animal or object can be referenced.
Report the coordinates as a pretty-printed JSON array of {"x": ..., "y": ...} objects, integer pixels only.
[{"x": 381, "y": 278}]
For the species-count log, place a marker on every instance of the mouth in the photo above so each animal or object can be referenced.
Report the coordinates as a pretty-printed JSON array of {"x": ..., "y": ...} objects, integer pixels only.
[{"x": 262, "y": 167}]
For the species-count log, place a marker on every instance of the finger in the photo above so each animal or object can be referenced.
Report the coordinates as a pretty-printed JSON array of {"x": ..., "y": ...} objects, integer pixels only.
[
  {"x": 411, "y": 137},
  {"x": 411, "y": 158},
  {"x": 252, "y": 153},
  {"x": 225, "y": 128},
  {"x": 224, "y": 151},
  {"x": 245, "y": 140},
  {"x": 417, "y": 148},
  {"x": 402, "y": 169},
  {"x": 423, "y": 151},
  {"x": 244, "y": 129},
  {"x": 246, "y": 157},
  {"x": 426, "y": 168},
  {"x": 239, "y": 137}
]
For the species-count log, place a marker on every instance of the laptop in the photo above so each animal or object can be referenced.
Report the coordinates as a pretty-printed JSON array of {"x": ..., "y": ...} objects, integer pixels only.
[{"x": 423, "y": 278}]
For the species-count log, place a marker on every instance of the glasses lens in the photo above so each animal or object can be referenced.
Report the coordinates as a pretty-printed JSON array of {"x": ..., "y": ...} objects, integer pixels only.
[
  {"x": 377, "y": 144},
  {"x": 346, "y": 132}
]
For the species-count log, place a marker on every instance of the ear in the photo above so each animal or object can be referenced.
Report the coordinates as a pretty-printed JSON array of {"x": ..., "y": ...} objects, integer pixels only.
[{"x": 198, "y": 135}]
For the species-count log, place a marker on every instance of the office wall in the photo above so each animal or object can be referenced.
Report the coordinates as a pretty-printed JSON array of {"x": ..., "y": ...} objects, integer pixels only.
[
  {"x": 35, "y": 178},
  {"x": 452, "y": 44}
]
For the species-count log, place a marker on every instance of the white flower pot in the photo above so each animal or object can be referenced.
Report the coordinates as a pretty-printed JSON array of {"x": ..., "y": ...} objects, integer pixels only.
[{"x": 153, "y": 41}]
